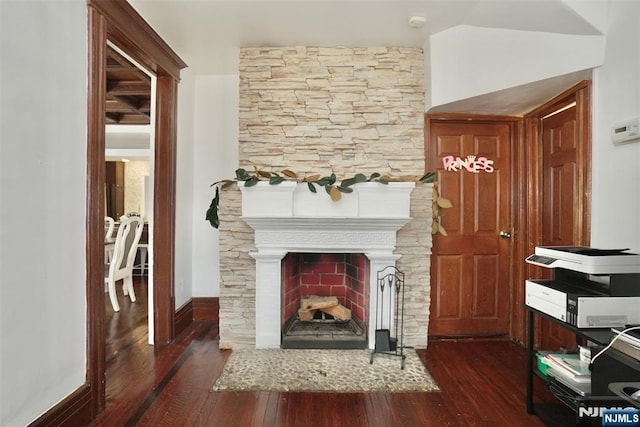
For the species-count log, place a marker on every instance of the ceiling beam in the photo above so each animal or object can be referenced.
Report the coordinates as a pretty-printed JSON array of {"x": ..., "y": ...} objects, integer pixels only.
[{"x": 133, "y": 106}]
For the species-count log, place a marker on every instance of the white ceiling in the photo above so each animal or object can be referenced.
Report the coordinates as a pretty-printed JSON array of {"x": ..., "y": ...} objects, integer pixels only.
[{"x": 207, "y": 33}]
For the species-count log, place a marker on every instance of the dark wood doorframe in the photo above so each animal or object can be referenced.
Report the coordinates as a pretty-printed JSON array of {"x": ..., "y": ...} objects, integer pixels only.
[
  {"x": 117, "y": 22},
  {"x": 581, "y": 95},
  {"x": 532, "y": 151}
]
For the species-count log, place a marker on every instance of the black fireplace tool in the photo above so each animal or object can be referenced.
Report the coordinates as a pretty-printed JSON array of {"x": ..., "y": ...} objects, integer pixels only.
[{"x": 389, "y": 315}]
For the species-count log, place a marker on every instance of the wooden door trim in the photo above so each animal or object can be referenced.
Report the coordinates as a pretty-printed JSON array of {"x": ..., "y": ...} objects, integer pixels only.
[
  {"x": 96, "y": 106},
  {"x": 119, "y": 23},
  {"x": 477, "y": 118},
  {"x": 137, "y": 38},
  {"x": 164, "y": 209},
  {"x": 532, "y": 150},
  {"x": 581, "y": 95}
]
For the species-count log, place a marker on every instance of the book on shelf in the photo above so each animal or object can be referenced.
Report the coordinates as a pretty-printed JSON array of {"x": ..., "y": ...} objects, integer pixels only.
[{"x": 569, "y": 365}]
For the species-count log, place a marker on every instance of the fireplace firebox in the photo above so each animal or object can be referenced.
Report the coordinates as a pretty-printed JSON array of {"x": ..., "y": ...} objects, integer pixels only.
[{"x": 339, "y": 276}]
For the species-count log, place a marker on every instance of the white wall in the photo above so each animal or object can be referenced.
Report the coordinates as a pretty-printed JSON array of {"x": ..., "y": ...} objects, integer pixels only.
[
  {"x": 136, "y": 173},
  {"x": 43, "y": 66},
  {"x": 616, "y": 176},
  {"x": 468, "y": 61},
  {"x": 215, "y": 157},
  {"x": 594, "y": 12},
  {"x": 127, "y": 136}
]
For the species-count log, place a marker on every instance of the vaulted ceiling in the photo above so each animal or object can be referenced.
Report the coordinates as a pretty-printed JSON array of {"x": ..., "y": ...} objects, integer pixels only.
[{"x": 128, "y": 92}]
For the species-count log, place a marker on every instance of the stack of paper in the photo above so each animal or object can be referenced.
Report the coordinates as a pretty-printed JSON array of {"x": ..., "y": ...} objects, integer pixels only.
[{"x": 569, "y": 366}]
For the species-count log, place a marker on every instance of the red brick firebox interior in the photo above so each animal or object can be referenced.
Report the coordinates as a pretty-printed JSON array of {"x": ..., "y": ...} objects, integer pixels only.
[{"x": 344, "y": 276}]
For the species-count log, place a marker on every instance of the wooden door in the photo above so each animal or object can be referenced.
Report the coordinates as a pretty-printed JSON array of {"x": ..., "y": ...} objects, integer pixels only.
[
  {"x": 560, "y": 178},
  {"x": 559, "y": 195},
  {"x": 470, "y": 267}
]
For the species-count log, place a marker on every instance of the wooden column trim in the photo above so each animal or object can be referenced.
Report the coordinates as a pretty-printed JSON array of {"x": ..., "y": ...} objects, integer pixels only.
[
  {"x": 96, "y": 108},
  {"x": 164, "y": 208},
  {"x": 583, "y": 114},
  {"x": 519, "y": 249}
]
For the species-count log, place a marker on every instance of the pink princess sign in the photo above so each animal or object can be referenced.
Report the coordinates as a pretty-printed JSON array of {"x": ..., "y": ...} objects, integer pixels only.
[{"x": 470, "y": 163}]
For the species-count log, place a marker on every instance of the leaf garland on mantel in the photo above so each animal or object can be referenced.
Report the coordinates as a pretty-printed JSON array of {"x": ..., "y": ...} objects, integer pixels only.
[{"x": 333, "y": 189}]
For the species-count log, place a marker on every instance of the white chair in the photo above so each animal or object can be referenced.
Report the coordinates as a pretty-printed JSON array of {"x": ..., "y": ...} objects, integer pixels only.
[
  {"x": 109, "y": 226},
  {"x": 124, "y": 254},
  {"x": 143, "y": 249}
]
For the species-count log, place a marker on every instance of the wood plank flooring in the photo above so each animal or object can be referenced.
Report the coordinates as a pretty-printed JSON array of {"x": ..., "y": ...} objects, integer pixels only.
[{"x": 482, "y": 382}]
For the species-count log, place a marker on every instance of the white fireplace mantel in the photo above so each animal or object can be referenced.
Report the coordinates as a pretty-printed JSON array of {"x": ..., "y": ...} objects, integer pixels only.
[
  {"x": 288, "y": 217},
  {"x": 339, "y": 235}
]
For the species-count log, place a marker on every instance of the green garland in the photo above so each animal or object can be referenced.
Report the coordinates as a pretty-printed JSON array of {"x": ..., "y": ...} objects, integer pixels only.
[{"x": 333, "y": 189}]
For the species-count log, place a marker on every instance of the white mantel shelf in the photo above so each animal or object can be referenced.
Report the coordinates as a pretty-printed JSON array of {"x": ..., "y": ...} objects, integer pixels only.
[
  {"x": 289, "y": 218},
  {"x": 291, "y": 199},
  {"x": 322, "y": 223}
]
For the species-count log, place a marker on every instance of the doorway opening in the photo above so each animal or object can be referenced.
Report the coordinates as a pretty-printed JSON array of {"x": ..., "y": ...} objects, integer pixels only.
[
  {"x": 120, "y": 24},
  {"x": 559, "y": 149},
  {"x": 129, "y": 149}
]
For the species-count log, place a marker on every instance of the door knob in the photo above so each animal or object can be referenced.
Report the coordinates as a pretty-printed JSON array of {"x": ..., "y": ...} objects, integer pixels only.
[{"x": 505, "y": 234}]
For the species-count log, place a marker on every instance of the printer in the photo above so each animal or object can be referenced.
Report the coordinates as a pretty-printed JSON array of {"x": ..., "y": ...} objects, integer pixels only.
[{"x": 590, "y": 288}]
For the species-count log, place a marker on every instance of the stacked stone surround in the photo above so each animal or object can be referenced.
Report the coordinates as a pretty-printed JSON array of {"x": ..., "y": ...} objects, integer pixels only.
[{"x": 318, "y": 110}]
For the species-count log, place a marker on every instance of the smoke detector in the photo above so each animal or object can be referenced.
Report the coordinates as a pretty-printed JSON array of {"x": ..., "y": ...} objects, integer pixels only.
[{"x": 417, "y": 21}]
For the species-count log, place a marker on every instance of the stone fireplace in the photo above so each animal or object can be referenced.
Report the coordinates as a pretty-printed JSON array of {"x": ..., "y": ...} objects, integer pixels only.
[{"x": 318, "y": 110}]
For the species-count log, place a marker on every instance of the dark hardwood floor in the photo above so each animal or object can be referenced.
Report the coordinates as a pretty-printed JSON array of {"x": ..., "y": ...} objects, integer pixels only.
[{"x": 482, "y": 382}]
